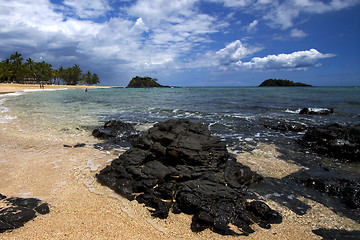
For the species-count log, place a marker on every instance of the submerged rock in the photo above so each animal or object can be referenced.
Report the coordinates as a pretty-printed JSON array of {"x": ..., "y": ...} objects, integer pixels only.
[
  {"x": 287, "y": 127},
  {"x": 177, "y": 165},
  {"x": 115, "y": 133},
  {"x": 334, "y": 140},
  {"x": 335, "y": 185},
  {"x": 18, "y": 211},
  {"x": 316, "y": 111}
]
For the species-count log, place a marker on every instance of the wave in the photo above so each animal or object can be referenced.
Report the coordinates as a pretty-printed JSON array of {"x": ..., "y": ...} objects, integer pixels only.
[
  {"x": 311, "y": 109},
  {"x": 7, "y": 119},
  {"x": 43, "y": 90}
]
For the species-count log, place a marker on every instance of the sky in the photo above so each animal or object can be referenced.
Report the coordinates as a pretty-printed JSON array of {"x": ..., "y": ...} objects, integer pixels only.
[{"x": 190, "y": 42}]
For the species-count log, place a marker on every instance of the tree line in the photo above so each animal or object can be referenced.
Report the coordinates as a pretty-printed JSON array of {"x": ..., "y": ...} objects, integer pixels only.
[{"x": 15, "y": 69}]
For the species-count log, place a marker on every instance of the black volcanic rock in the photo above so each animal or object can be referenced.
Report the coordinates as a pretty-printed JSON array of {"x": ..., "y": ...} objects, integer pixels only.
[
  {"x": 113, "y": 129},
  {"x": 334, "y": 140},
  {"x": 177, "y": 165},
  {"x": 335, "y": 185},
  {"x": 18, "y": 211},
  {"x": 115, "y": 133}
]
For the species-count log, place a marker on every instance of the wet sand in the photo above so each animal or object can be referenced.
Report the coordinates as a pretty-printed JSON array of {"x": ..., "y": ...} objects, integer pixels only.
[{"x": 36, "y": 164}]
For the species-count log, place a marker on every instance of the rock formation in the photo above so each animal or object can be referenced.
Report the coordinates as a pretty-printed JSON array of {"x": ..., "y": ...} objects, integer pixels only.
[{"x": 177, "y": 165}]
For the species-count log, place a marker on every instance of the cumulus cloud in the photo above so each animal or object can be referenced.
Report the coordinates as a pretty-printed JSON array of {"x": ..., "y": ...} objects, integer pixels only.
[
  {"x": 297, "y": 33},
  {"x": 233, "y": 53},
  {"x": 294, "y": 61}
]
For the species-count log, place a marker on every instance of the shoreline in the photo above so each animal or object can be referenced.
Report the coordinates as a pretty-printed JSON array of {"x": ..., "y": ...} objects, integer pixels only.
[
  {"x": 6, "y": 88},
  {"x": 35, "y": 163}
]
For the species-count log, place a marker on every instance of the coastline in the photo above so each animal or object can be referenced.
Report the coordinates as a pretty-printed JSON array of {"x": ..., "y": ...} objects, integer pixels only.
[
  {"x": 35, "y": 164},
  {"x": 16, "y": 87}
]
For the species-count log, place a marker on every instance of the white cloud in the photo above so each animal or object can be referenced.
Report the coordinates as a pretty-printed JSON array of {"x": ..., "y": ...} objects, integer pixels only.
[
  {"x": 294, "y": 61},
  {"x": 237, "y": 3},
  {"x": 161, "y": 34},
  {"x": 284, "y": 14},
  {"x": 88, "y": 8},
  {"x": 251, "y": 28},
  {"x": 297, "y": 33},
  {"x": 234, "y": 52}
]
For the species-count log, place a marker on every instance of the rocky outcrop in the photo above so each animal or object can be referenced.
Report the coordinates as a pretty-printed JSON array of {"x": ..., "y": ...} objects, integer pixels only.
[
  {"x": 115, "y": 133},
  {"x": 336, "y": 141},
  {"x": 15, "y": 212},
  {"x": 177, "y": 165}
]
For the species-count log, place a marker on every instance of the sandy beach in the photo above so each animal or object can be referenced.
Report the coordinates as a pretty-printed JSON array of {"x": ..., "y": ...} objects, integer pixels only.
[
  {"x": 36, "y": 164},
  {"x": 15, "y": 87}
]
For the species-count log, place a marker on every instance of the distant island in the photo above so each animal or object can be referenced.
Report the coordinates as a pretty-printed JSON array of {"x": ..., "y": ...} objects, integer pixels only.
[
  {"x": 282, "y": 83},
  {"x": 144, "y": 82}
]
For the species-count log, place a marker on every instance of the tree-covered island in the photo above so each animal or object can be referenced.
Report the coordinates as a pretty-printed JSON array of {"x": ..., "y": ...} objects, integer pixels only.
[
  {"x": 282, "y": 83},
  {"x": 144, "y": 82},
  {"x": 15, "y": 70}
]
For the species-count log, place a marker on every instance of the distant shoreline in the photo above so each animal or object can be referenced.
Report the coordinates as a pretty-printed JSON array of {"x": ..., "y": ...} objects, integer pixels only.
[{"x": 16, "y": 87}]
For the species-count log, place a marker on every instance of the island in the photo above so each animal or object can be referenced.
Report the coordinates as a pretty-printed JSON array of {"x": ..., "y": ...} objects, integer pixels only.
[
  {"x": 144, "y": 82},
  {"x": 282, "y": 83}
]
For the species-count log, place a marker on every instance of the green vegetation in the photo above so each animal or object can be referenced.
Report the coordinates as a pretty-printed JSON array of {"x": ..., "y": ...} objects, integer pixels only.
[
  {"x": 282, "y": 83},
  {"x": 13, "y": 69},
  {"x": 143, "y": 82}
]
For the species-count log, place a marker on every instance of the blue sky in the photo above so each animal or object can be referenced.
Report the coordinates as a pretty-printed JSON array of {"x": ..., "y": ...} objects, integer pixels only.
[{"x": 190, "y": 42}]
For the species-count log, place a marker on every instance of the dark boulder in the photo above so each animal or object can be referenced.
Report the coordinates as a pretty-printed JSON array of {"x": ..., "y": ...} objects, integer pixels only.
[
  {"x": 336, "y": 141},
  {"x": 287, "y": 127},
  {"x": 263, "y": 214},
  {"x": 177, "y": 165},
  {"x": 335, "y": 185},
  {"x": 115, "y": 133},
  {"x": 113, "y": 129},
  {"x": 18, "y": 211},
  {"x": 316, "y": 111}
]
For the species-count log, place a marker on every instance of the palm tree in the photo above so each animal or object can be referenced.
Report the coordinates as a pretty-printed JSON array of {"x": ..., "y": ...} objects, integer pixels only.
[
  {"x": 29, "y": 69},
  {"x": 16, "y": 64},
  {"x": 5, "y": 71}
]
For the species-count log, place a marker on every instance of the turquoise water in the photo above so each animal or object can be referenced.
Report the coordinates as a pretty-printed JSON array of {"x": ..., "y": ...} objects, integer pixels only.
[{"x": 233, "y": 113}]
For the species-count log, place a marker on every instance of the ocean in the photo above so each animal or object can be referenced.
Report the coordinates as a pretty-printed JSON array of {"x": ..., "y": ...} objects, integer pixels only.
[{"x": 237, "y": 115}]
